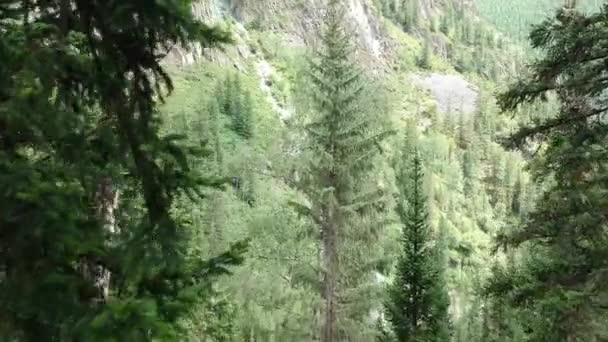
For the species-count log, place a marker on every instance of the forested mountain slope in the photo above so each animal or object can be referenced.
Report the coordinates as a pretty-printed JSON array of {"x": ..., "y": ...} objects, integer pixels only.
[
  {"x": 303, "y": 170},
  {"x": 516, "y": 17},
  {"x": 434, "y": 66}
]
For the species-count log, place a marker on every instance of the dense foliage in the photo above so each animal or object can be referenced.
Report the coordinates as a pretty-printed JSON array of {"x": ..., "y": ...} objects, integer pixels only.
[
  {"x": 515, "y": 18},
  {"x": 562, "y": 273},
  {"x": 272, "y": 189},
  {"x": 417, "y": 305},
  {"x": 345, "y": 201},
  {"x": 90, "y": 247}
]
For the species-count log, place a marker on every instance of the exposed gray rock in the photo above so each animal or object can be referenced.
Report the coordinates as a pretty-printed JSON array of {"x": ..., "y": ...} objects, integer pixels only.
[
  {"x": 300, "y": 21},
  {"x": 453, "y": 93}
]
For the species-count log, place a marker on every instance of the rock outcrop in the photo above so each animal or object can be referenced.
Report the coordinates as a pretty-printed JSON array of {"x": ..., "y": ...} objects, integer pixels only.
[{"x": 297, "y": 20}]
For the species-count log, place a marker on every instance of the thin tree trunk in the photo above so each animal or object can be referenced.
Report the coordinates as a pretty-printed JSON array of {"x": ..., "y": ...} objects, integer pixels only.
[
  {"x": 317, "y": 331},
  {"x": 330, "y": 268}
]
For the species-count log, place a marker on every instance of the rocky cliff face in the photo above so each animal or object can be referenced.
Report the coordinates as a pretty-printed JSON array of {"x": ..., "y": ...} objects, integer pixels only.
[
  {"x": 297, "y": 20},
  {"x": 301, "y": 19},
  {"x": 207, "y": 11}
]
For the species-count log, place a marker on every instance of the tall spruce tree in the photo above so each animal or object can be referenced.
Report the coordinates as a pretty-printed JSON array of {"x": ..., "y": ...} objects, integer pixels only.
[
  {"x": 417, "y": 305},
  {"x": 343, "y": 140},
  {"x": 425, "y": 59},
  {"x": 409, "y": 15},
  {"x": 558, "y": 285},
  {"x": 237, "y": 104},
  {"x": 89, "y": 247},
  {"x": 246, "y": 118},
  {"x": 214, "y": 135}
]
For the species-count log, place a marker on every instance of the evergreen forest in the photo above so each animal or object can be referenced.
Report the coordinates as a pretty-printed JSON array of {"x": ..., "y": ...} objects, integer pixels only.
[{"x": 304, "y": 170}]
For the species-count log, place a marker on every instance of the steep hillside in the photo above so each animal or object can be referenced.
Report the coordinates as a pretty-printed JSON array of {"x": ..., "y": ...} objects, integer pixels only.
[
  {"x": 303, "y": 170},
  {"x": 515, "y": 17},
  {"x": 434, "y": 71}
]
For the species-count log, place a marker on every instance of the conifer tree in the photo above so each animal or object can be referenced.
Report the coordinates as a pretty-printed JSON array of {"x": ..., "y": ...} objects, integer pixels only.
[
  {"x": 215, "y": 135},
  {"x": 465, "y": 130},
  {"x": 237, "y": 104},
  {"x": 470, "y": 170},
  {"x": 444, "y": 25},
  {"x": 246, "y": 118},
  {"x": 343, "y": 140},
  {"x": 558, "y": 287},
  {"x": 227, "y": 93},
  {"x": 417, "y": 305},
  {"x": 386, "y": 7},
  {"x": 409, "y": 15},
  {"x": 424, "y": 60},
  {"x": 90, "y": 248},
  {"x": 249, "y": 194},
  {"x": 483, "y": 123}
]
